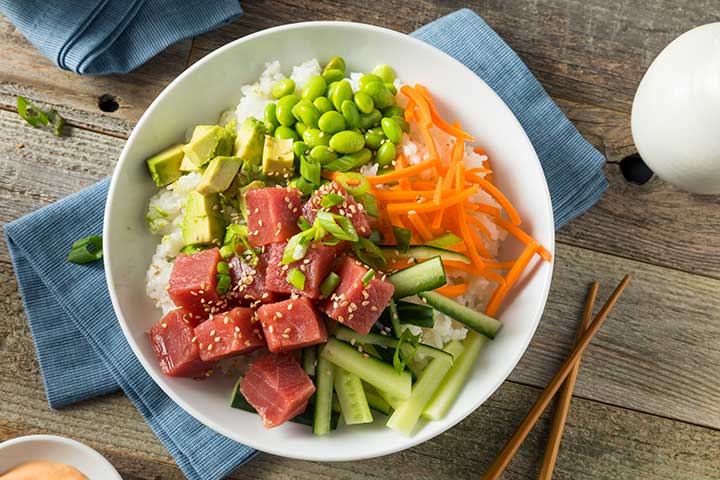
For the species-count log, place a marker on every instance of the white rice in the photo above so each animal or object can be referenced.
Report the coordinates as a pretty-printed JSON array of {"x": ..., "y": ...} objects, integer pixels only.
[{"x": 167, "y": 208}]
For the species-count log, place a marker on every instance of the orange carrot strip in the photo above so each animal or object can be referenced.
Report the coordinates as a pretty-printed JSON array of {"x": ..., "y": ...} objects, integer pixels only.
[
  {"x": 458, "y": 152},
  {"x": 420, "y": 225},
  {"x": 422, "y": 110},
  {"x": 430, "y": 206},
  {"x": 479, "y": 170},
  {"x": 499, "y": 197},
  {"x": 479, "y": 225},
  {"x": 479, "y": 244},
  {"x": 437, "y": 219},
  {"x": 490, "y": 275},
  {"x": 511, "y": 277},
  {"x": 410, "y": 110},
  {"x": 423, "y": 195},
  {"x": 465, "y": 234},
  {"x": 399, "y": 264},
  {"x": 423, "y": 185},
  {"x": 460, "y": 176},
  {"x": 437, "y": 194},
  {"x": 486, "y": 163},
  {"x": 404, "y": 173},
  {"x": 452, "y": 290},
  {"x": 331, "y": 175},
  {"x": 484, "y": 208},
  {"x": 437, "y": 119},
  {"x": 458, "y": 265},
  {"x": 403, "y": 183},
  {"x": 522, "y": 236}
]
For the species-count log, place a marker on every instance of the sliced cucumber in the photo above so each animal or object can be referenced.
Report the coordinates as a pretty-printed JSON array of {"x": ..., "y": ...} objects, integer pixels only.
[
  {"x": 479, "y": 322},
  {"x": 423, "y": 252},
  {"x": 375, "y": 372},
  {"x": 309, "y": 359},
  {"x": 376, "y": 402},
  {"x": 444, "y": 240},
  {"x": 393, "y": 401},
  {"x": 323, "y": 396},
  {"x": 405, "y": 417},
  {"x": 354, "y": 338},
  {"x": 354, "y": 405},
  {"x": 414, "y": 314},
  {"x": 421, "y": 277},
  {"x": 452, "y": 384}
]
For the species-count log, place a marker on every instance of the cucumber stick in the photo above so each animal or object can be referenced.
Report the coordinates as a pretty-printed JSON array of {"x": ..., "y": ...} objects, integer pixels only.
[
  {"x": 323, "y": 396},
  {"x": 354, "y": 405},
  {"x": 452, "y": 384},
  {"x": 479, "y": 322},
  {"x": 352, "y": 337},
  {"x": 309, "y": 359},
  {"x": 421, "y": 277},
  {"x": 394, "y": 402},
  {"x": 375, "y": 372},
  {"x": 423, "y": 252},
  {"x": 375, "y": 400},
  {"x": 406, "y": 416}
]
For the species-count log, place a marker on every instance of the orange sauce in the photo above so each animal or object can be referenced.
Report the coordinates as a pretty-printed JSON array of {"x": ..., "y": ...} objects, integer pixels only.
[{"x": 44, "y": 470}]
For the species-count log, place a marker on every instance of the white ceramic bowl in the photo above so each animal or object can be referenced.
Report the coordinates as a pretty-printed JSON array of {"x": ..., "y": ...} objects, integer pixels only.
[
  {"x": 56, "y": 449},
  {"x": 211, "y": 86}
]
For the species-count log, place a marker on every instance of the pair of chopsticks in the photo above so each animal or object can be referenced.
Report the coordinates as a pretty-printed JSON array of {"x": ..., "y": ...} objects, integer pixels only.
[{"x": 567, "y": 374}]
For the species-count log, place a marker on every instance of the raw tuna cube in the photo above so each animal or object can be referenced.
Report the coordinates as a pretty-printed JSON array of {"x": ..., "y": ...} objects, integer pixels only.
[
  {"x": 277, "y": 387},
  {"x": 228, "y": 334},
  {"x": 192, "y": 281},
  {"x": 248, "y": 283},
  {"x": 272, "y": 214},
  {"x": 172, "y": 341},
  {"x": 316, "y": 265},
  {"x": 292, "y": 324},
  {"x": 356, "y": 305},
  {"x": 350, "y": 208}
]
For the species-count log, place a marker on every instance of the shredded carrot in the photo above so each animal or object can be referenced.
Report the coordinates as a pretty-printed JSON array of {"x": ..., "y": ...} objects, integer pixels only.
[
  {"x": 438, "y": 120},
  {"x": 404, "y": 183},
  {"x": 479, "y": 170},
  {"x": 469, "y": 243},
  {"x": 437, "y": 194},
  {"x": 422, "y": 228},
  {"x": 479, "y": 243},
  {"x": 422, "y": 195},
  {"x": 452, "y": 290},
  {"x": 520, "y": 264},
  {"x": 523, "y": 237},
  {"x": 460, "y": 176},
  {"x": 484, "y": 208},
  {"x": 485, "y": 163},
  {"x": 422, "y": 110},
  {"x": 331, "y": 175},
  {"x": 431, "y": 206},
  {"x": 404, "y": 173},
  {"x": 423, "y": 185},
  {"x": 410, "y": 110},
  {"x": 437, "y": 219},
  {"x": 399, "y": 264},
  {"x": 458, "y": 265},
  {"x": 479, "y": 225},
  {"x": 499, "y": 197}
]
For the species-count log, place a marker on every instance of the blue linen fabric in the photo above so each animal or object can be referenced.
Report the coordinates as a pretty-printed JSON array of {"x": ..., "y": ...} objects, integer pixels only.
[
  {"x": 80, "y": 347},
  {"x": 100, "y": 37}
]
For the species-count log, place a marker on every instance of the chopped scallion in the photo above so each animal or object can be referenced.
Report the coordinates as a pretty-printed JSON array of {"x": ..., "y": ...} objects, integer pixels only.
[
  {"x": 402, "y": 238},
  {"x": 223, "y": 284},
  {"x": 296, "y": 278},
  {"x": 337, "y": 226},
  {"x": 329, "y": 285},
  {"x": 371, "y": 206},
  {"x": 36, "y": 117},
  {"x": 310, "y": 169},
  {"x": 226, "y": 251},
  {"x": 369, "y": 275},
  {"x": 331, "y": 199},
  {"x": 86, "y": 249},
  {"x": 302, "y": 223},
  {"x": 223, "y": 268},
  {"x": 298, "y": 245}
]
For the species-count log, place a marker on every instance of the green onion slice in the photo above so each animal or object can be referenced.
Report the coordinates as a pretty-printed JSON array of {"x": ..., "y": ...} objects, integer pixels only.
[
  {"x": 371, "y": 206},
  {"x": 30, "y": 113},
  {"x": 223, "y": 284},
  {"x": 337, "y": 226},
  {"x": 355, "y": 183},
  {"x": 402, "y": 238},
  {"x": 310, "y": 170},
  {"x": 223, "y": 268},
  {"x": 369, "y": 275},
  {"x": 298, "y": 245},
  {"x": 329, "y": 285},
  {"x": 86, "y": 250},
  {"x": 331, "y": 199},
  {"x": 296, "y": 278}
]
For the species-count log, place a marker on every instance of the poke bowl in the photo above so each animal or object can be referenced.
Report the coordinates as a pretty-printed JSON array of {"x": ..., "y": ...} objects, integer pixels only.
[{"x": 330, "y": 279}]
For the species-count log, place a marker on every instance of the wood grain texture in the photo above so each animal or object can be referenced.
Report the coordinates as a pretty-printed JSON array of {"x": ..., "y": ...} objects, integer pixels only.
[{"x": 26, "y": 72}]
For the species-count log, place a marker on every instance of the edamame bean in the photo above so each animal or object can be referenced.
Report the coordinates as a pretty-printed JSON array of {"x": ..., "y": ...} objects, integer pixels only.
[
  {"x": 347, "y": 141},
  {"x": 300, "y": 128},
  {"x": 350, "y": 113},
  {"x": 392, "y": 130},
  {"x": 323, "y": 154},
  {"x": 386, "y": 154},
  {"x": 335, "y": 63},
  {"x": 367, "y": 78},
  {"x": 332, "y": 122},
  {"x": 269, "y": 115},
  {"x": 369, "y": 120},
  {"x": 299, "y": 148},
  {"x": 380, "y": 94},
  {"x": 333, "y": 76},
  {"x": 342, "y": 92},
  {"x": 364, "y": 102},
  {"x": 391, "y": 88},
  {"x": 304, "y": 111},
  {"x": 269, "y": 128},
  {"x": 314, "y": 137},
  {"x": 323, "y": 104},
  {"x": 385, "y": 72},
  {"x": 373, "y": 138},
  {"x": 331, "y": 90},
  {"x": 315, "y": 87},
  {"x": 393, "y": 112},
  {"x": 283, "y": 111},
  {"x": 283, "y": 87},
  {"x": 402, "y": 123},
  {"x": 286, "y": 132},
  {"x": 359, "y": 158}
]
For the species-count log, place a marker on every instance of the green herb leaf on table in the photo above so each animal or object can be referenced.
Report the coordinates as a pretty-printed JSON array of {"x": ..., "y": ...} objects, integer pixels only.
[
  {"x": 36, "y": 117},
  {"x": 86, "y": 250}
]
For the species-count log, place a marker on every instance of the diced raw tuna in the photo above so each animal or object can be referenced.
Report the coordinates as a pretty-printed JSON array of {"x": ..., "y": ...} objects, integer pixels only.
[
  {"x": 172, "y": 341},
  {"x": 292, "y": 324},
  {"x": 277, "y": 387},
  {"x": 354, "y": 304},
  {"x": 248, "y": 283},
  {"x": 228, "y": 334},
  {"x": 272, "y": 214},
  {"x": 316, "y": 264},
  {"x": 192, "y": 282},
  {"x": 350, "y": 208}
]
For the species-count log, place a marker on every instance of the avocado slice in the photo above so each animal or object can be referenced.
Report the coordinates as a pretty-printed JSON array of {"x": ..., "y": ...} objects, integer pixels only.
[
  {"x": 187, "y": 166},
  {"x": 219, "y": 174},
  {"x": 165, "y": 166},
  {"x": 203, "y": 222},
  {"x": 207, "y": 142},
  {"x": 278, "y": 157},
  {"x": 249, "y": 141}
]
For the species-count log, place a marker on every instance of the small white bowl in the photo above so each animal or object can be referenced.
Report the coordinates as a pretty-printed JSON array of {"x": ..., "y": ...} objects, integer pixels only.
[
  {"x": 213, "y": 85},
  {"x": 56, "y": 449}
]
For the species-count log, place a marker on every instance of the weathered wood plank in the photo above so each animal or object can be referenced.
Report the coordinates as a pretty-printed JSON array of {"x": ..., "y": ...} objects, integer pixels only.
[
  {"x": 26, "y": 72},
  {"x": 593, "y": 52}
]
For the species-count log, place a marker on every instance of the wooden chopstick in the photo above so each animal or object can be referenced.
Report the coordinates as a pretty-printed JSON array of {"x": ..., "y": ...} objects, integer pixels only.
[
  {"x": 563, "y": 405},
  {"x": 511, "y": 447}
]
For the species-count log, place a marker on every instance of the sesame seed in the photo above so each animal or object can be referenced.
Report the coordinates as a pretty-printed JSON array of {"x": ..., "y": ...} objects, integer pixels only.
[
  {"x": 373, "y": 308},
  {"x": 287, "y": 330},
  {"x": 210, "y": 347},
  {"x": 365, "y": 303},
  {"x": 247, "y": 343},
  {"x": 270, "y": 329},
  {"x": 237, "y": 329},
  {"x": 217, "y": 339},
  {"x": 164, "y": 325},
  {"x": 365, "y": 355},
  {"x": 290, "y": 306},
  {"x": 285, "y": 335},
  {"x": 279, "y": 314},
  {"x": 193, "y": 339},
  {"x": 341, "y": 319}
]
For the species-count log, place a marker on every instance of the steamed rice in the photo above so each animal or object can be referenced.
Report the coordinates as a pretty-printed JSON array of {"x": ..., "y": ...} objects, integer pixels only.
[{"x": 167, "y": 208}]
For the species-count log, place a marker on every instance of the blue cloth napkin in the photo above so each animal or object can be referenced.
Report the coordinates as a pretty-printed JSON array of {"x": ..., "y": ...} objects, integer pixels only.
[
  {"x": 81, "y": 349},
  {"x": 100, "y": 37}
]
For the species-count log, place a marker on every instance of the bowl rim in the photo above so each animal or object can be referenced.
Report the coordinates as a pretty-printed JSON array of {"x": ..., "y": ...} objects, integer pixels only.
[{"x": 418, "y": 437}]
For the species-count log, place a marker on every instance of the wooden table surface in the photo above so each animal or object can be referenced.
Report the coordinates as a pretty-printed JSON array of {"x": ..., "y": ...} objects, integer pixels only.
[{"x": 647, "y": 402}]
